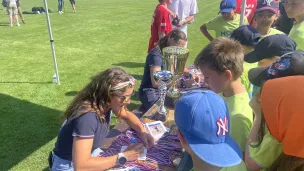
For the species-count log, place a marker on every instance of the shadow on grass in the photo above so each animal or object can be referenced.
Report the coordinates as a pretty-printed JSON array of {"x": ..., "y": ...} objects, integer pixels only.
[
  {"x": 4, "y": 24},
  {"x": 25, "y": 127},
  {"x": 46, "y": 169},
  {"x": 137, "y": 77},
  {"x": 71, "y": 93},
  {"x": 130, "y": 64},
  {"x": 12, "y": 82}
]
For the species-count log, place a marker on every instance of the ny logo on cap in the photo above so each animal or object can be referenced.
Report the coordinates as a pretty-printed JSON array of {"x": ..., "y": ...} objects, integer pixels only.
[
  {"x": 268, "y": 2},
  {"x": 224, "y": 4},
  {"x": 222, "y": 126}
]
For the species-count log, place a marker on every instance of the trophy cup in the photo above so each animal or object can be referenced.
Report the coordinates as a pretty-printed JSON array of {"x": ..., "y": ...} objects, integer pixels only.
[
  {"x": 175, "y": 59},
  {"x": 163, "y": 77}
]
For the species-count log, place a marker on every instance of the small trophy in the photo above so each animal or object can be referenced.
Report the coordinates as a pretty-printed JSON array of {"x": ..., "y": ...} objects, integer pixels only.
[
  {"x": 175, "y": 59},
  {"x": 163, "y": 77}
]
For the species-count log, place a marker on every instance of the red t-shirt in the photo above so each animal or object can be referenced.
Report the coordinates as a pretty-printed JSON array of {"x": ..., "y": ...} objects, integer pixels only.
[
  {"x": 160, "y": 22},
  {"x": 250, "y": 8}
]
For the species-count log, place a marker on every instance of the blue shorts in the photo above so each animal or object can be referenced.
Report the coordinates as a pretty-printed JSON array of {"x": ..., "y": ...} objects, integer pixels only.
[
  {"x": 60, "y": 164},
  {"x": 72, "y": 1}
]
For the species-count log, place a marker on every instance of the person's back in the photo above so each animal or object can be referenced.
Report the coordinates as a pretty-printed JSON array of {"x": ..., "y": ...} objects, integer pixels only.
[
  {"x": 12, "y": 1},
  {"x": 249, "y": 10},
  {"x": 222, "y": 65},
  {"x": 161, "y": 24},
  {"x": 12, "y": 11},
  {"x": 185, "y": 10}
]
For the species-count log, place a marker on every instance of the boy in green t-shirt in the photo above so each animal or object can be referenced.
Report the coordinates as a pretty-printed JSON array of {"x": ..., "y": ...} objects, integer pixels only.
[
  {"x": 265, "y": 16},
  {"x": 294, "y": 9},
  {"x": 225, "y": 24},
  {"x": 221, "y": 63},
  {"x": 248, "y": 36},
  {"x": 203, "y": 123}
]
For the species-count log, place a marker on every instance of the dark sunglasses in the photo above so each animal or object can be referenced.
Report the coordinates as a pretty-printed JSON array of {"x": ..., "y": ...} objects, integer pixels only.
[{"x": 124, "y": 99}]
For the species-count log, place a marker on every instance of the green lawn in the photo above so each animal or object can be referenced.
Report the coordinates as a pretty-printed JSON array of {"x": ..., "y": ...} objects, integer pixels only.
[{"x": 103, "y": 34}]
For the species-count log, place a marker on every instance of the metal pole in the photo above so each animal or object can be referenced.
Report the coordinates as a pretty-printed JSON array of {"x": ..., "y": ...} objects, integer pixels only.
[
  {"x": 51, "y": 41},
  {"x": 243, "y": 12}
]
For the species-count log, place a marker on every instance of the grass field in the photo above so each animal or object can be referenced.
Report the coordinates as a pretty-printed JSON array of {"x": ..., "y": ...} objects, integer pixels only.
[{"x": 103, "y": 34}]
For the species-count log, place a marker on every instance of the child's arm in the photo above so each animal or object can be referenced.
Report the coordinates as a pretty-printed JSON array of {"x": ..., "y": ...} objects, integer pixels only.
[
  {"x": 205, "y": 32},
  {"x": 161, "y": 34},
  {"x": 172, "y": 14}
]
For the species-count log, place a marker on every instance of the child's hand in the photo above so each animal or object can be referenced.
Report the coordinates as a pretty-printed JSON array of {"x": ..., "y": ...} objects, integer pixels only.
[{"x": 173, "y": 15}]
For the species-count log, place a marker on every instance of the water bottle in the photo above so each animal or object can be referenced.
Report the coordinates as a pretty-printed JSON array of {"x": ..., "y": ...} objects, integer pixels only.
[{"x": 55, "y": 79}]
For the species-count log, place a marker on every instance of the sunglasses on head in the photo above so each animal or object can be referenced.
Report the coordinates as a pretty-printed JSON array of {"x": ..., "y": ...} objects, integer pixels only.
[{"x": 124, "y": 99}]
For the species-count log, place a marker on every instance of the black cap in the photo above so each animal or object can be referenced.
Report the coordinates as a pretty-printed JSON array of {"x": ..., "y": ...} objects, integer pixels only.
[
  {"x": 270, "y": 46},
  {"x": 246, "y": 35},
  {"x": 289, "y": 64}
]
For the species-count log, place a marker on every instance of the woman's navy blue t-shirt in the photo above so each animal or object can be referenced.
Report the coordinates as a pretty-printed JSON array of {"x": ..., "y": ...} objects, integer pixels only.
[
  {"x": 154, "y": 58},
  {"x": 86, "y": 125}
]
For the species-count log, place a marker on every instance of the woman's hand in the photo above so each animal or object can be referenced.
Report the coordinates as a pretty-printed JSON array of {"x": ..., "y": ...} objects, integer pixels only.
[
  {"x": 147, "y": 139},
  {"x": 255, "y": 104},
  {"x": 133, "y": 151}
]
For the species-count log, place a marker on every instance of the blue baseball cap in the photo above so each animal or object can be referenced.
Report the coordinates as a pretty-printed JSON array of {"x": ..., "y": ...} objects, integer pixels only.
[
  {"x": 246, "y": 35},
  {"x": 203, "y": 118},
  {"x": 227, "y": 5},
  {"x": 270, "y": 46}
]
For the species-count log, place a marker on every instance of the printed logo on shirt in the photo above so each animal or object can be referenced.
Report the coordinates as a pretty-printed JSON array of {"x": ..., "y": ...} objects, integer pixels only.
[
  {"x": 222, "y": 126},
  {"x": 226, "y": 33}
]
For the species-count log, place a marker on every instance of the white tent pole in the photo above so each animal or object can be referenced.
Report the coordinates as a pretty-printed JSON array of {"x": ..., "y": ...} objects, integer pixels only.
[
  {"x": 243, "y": 12},
  {"x": 51, "y": 41}
]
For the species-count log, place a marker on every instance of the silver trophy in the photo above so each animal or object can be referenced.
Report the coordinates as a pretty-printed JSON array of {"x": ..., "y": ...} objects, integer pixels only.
[
  {"x": 175, "y": 59},
  {"x": 164, "y": 78}
]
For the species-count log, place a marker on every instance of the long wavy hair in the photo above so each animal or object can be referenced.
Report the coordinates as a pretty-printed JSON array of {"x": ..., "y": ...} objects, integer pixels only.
[
  {"x": 177, "y": 35},
  {"x": 262, "y": 129},
  {"x": 96, "y": 96}
]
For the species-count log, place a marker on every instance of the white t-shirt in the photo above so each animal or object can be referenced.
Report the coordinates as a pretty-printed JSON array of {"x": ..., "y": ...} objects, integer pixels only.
[{"x": 183, "y": 8}]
